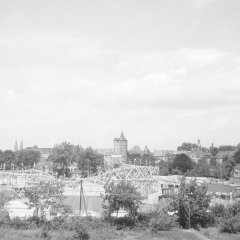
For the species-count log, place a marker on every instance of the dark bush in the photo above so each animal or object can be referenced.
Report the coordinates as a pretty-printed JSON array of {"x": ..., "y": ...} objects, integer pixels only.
[
  {"x": 163, "y": 222},
  {"x": 123, "y": 222},
  {"x": 79, "y": 230},
  {"x": 216, "y": 212},
  {"x": 17, "y": 223},
  {"x": 233, "y": 209},
  {"x": 57, "y": 223},
  {"x": 45, "y": 234},
  {"x": 80, "y": 233},
  {"x": 4, "y": 217},
  {"x": 143, "y": 220},
  {"x": 230, "y": 225},
  {"x": 91, "y": 222}
]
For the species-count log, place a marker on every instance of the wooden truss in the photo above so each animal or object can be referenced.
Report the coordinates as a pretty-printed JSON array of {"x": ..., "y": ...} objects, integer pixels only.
[
  {"x": 144, "y": 178},
  {"x": 15, "y": 181}
]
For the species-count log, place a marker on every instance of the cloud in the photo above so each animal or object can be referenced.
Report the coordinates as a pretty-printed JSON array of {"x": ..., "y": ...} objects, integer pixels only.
[
  {"x": 201, "y": 3},
  {"x": 187, "y": 78},
  {"x": 58, "y": 83}
]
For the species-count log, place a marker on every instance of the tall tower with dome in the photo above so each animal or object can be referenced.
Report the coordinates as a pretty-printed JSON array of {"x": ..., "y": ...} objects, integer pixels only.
[{"x": 120, "y": 146}]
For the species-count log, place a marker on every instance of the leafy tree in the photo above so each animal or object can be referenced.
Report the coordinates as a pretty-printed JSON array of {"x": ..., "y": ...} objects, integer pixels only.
[
  {"x": 62, "y": 157},
  {"x": 66, "y": 154},
  {"x": 226, "y": 148},
  {"x": 228, "y": 164},
  {"x": 237, "y": 157},
  {"x": 26, "y": 158},
  {"x": 187, "y": 146},
  {"x": 163, "y": 168},
  {"x": 191, "y": 204},
  {"x": 45, "y": 195},
  {"x": 148, "y": 159},
  {"x": 7, "y": 158},
  {"x": 213, "y": 151},
  {"x": 213, "y": 161},
  {"x": 5, "y": 196},
  {"x": 134, "y": 158},
  {"x": 182, "y": 162},
  {"x": 89, "y": 162},
  {"x": 202, "y": 168},
  {"x": 238, "y": 147},
  {"x": 122, "y": 195}
]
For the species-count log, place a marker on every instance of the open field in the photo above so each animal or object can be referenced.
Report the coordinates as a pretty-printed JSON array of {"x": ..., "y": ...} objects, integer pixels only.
[{"x": 112, "y": 234}]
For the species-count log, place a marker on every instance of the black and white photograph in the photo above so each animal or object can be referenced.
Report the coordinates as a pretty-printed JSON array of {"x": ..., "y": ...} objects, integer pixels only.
[{"x": 119, "y": 120}]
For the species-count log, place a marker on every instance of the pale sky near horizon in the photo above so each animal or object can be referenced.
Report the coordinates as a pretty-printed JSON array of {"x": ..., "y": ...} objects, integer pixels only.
[{"x": 164, "y": 72}]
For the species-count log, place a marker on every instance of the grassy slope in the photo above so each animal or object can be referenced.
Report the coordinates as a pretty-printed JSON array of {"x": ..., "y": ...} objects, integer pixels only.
[{"x": 204, "y": 234}]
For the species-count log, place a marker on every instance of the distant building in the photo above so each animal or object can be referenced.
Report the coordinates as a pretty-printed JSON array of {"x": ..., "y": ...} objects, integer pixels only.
[
  {"x": 146, "y": 150},
  {"x": 104, "y": 151},
  {"x": 114, "y": 159},
  {"x": 120, "y": 146},
  {"x": 136, "y": 150},
  {"x": 221, "y": 154},
  {"x": 197, "y": 153},
  {"x": 15, "y": 146},
  {"x": 163, "y": 154},
  {"x": 116, "y": 154},
  {"x": 45, "y": 152}
]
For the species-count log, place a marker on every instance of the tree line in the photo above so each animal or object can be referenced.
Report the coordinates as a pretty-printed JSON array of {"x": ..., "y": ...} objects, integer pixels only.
[
  {"x": 183, "y": 164},
  {"x": 22, "y": 159},
  {"x": 186, "y": 146},
  {"x": 65, "y": 155}
]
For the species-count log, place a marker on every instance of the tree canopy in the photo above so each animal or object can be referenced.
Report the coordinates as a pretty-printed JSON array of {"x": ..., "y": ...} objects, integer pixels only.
[
  {"x": 191, "y": 204},
  {"x": 121, "y": 196},
  {"x": 20, "y": 159},
  {"x": 228, "y": 164},
  {"x": 226, "y": 148},
  {"x": 89, "y": 162},
  {"x": 187, "y": 146},
  {"x": 182, "y": 162},
  {"x": 65, "y": 154},
  {"x": 237, "y": 157},
  {"x": 44, "y": 195}
]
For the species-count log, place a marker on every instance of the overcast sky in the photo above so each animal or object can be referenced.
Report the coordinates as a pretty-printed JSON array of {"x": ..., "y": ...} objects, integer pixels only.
[{"x": 163, "y": 71}]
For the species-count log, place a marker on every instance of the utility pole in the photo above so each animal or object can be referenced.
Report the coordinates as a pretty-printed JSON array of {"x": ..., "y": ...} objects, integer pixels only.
[
  {"x": 221, "y": 170},
  {"x": 189, "y": 215},
  {"x": 80, "y": 202}
]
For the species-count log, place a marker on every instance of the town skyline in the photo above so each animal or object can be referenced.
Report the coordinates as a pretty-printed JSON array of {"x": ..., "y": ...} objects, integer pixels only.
[{"x": 19, "y": 144}]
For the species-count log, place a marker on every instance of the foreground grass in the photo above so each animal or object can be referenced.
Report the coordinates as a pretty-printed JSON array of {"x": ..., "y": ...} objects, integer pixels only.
[{"x": 112, "y": 234}]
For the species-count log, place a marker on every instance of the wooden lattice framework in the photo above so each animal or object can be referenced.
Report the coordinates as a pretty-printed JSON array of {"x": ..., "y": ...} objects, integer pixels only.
[
  {"x": 144, "y": 178},
  {"x": 24, "y": 178},
  {"x": 15, "y": 181}
]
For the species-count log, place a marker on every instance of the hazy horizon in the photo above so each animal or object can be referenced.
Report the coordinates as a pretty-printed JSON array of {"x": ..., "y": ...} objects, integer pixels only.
[{"x": 163, "y": 72}]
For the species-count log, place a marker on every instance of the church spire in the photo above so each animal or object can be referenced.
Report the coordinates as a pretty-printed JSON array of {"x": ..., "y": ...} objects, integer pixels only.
[
  {"x": 16, "y": 146},
  {"x": 21, "y": 145},
  {"x": 122, "y": 136}
]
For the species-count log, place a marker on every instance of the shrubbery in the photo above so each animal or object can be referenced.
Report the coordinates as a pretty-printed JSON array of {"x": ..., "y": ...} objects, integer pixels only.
[
  {"x": 230, "y": 225},
  {"x": 123, "y": 222},
  {"x": 192, "y": 205},
  {"x": 217, "y": 211},
  {"x": 228, "y": 217},
  {"x": 76, "y": 226},
  {"x": 162, "y": 221}
]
